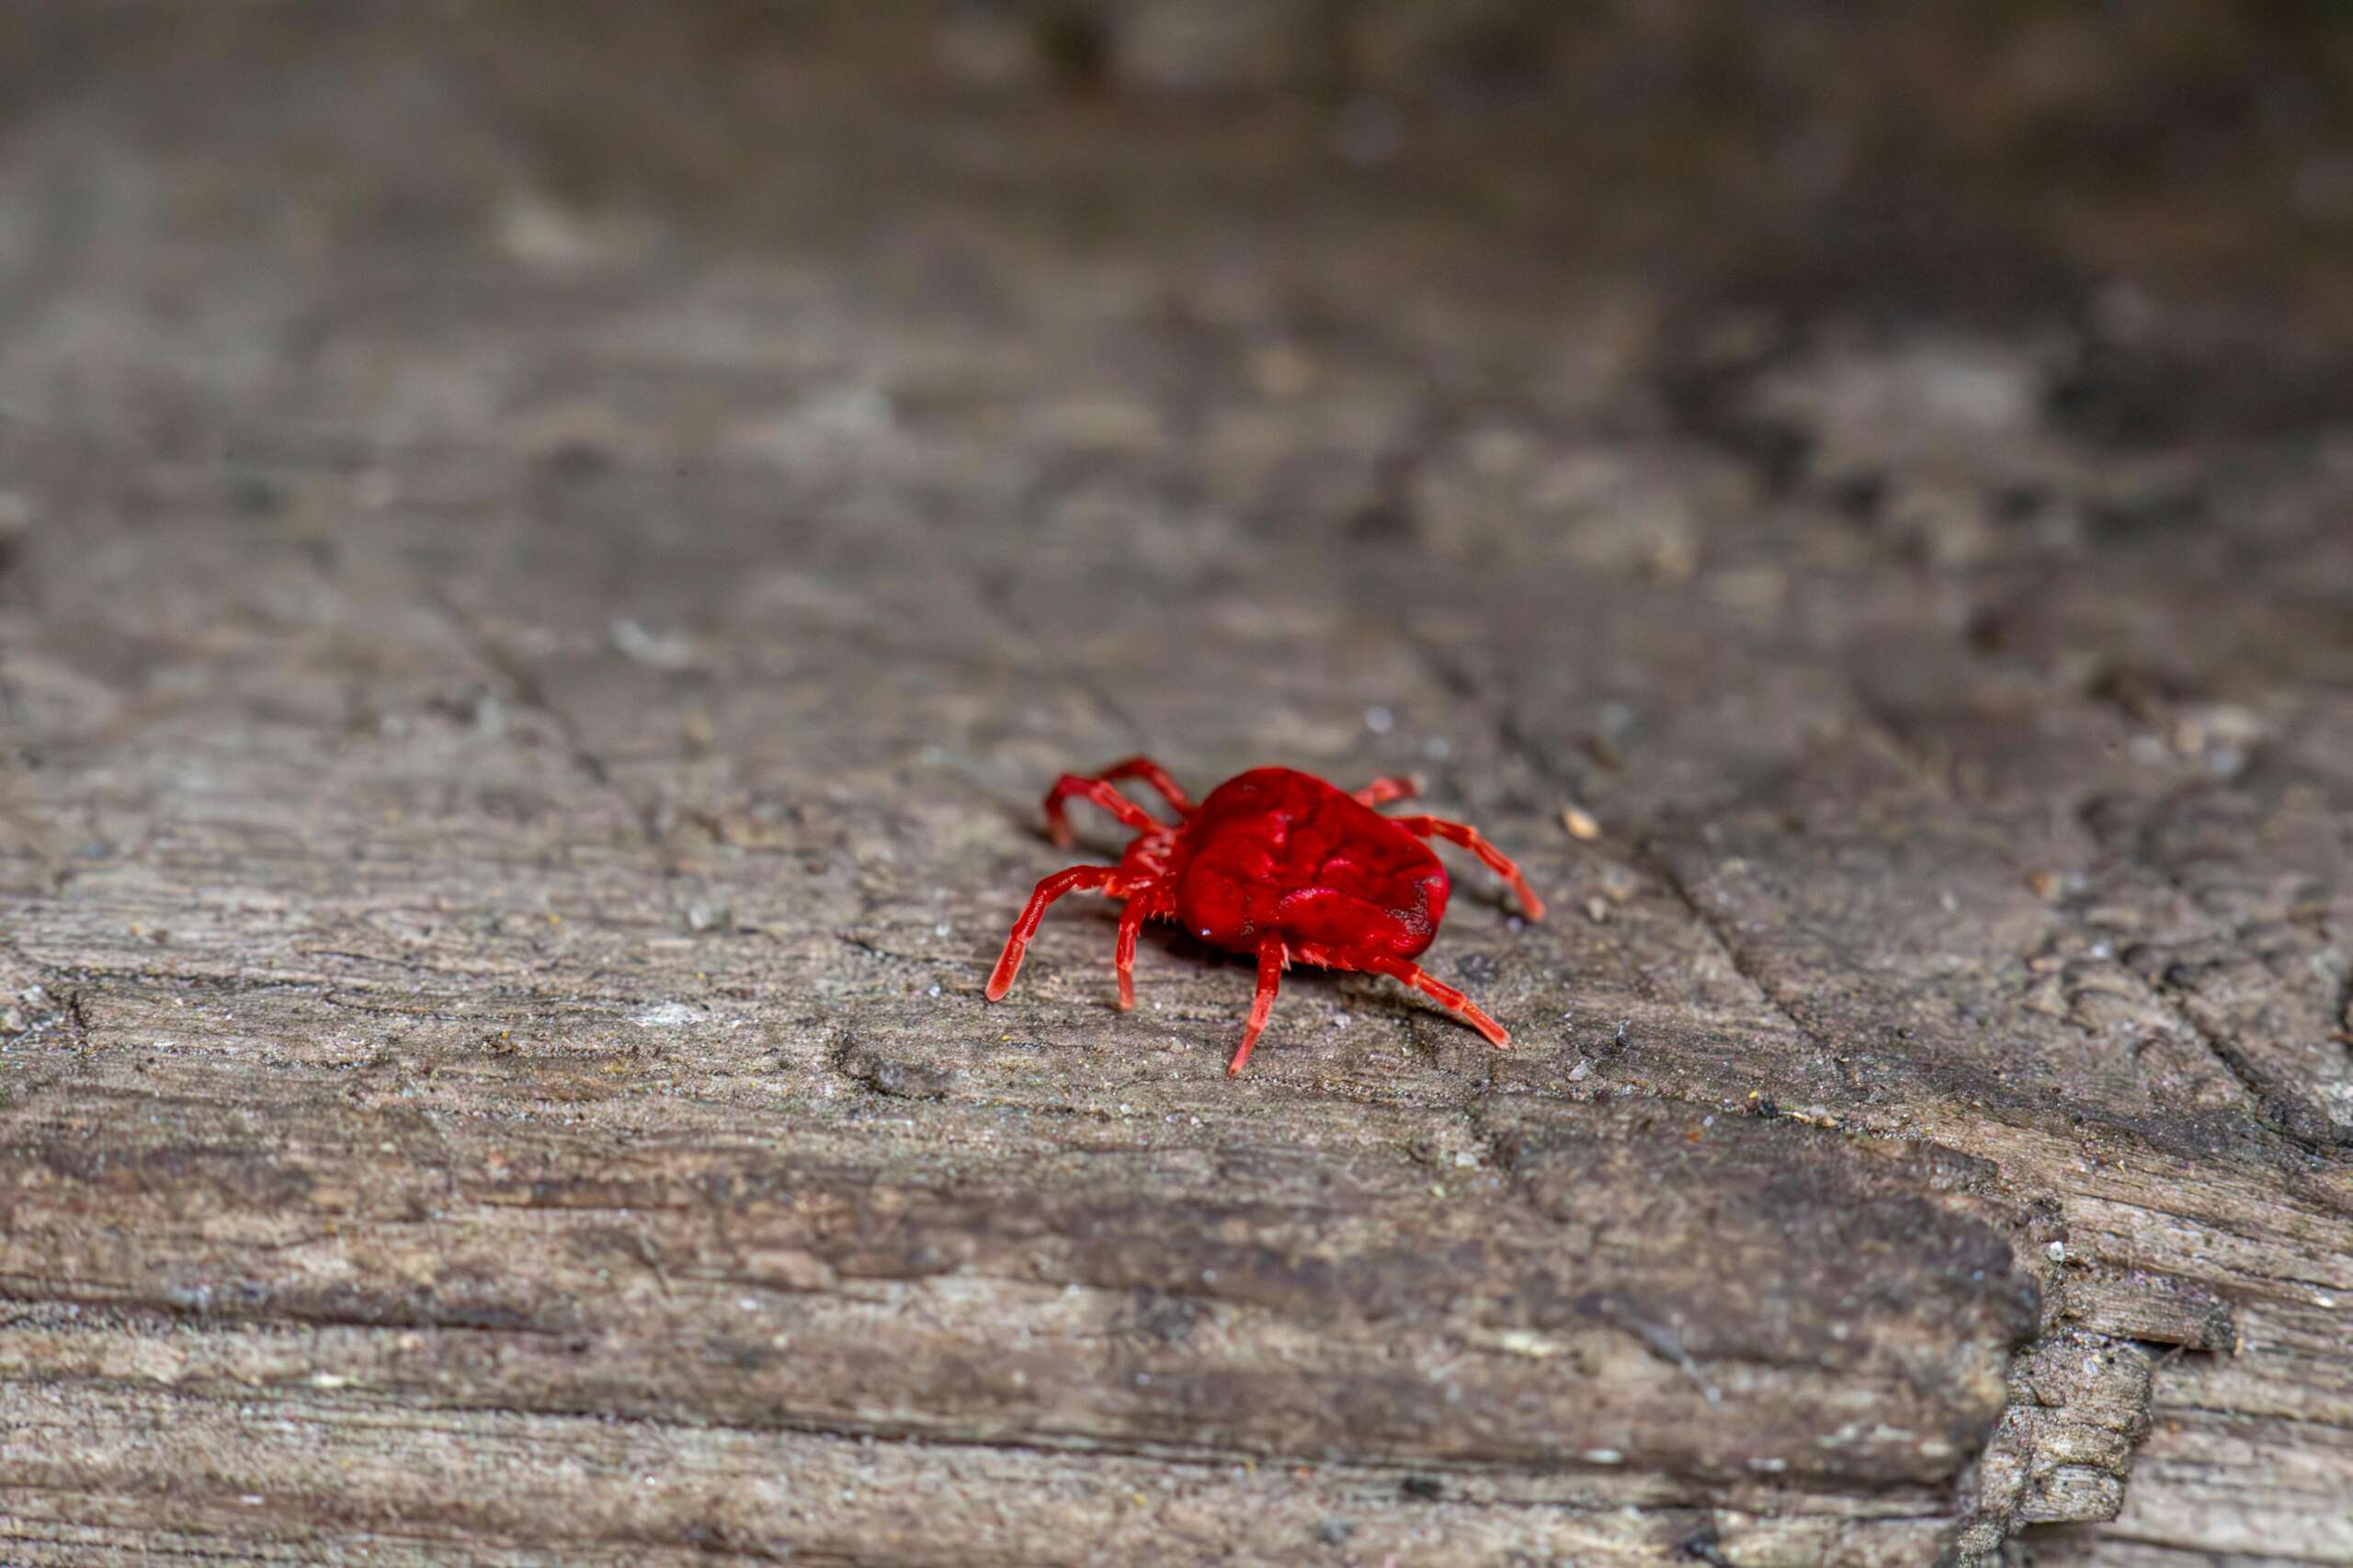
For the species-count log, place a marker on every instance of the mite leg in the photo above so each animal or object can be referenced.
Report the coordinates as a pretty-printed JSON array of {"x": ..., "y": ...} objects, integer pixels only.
[
  {"x": 1058, "y": 820},
  {"x": 1495, "y": 859},
  {"x": 1380, "y": 791},
  {"x": 1008, "y": 963},
  {"x": 1152, "y": 774},
  {"x": 1445, "y": 996},
  {"x": 1271, "y": 959},
  {"x": 1123, "y": 956}
]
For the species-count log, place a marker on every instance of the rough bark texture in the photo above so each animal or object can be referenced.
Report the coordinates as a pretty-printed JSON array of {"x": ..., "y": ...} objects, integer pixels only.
[{"x": 548, "y": 557}]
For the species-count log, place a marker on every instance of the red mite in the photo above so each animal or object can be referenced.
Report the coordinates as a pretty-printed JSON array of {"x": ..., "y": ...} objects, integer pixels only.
[{"x": 1276, "y": 863}]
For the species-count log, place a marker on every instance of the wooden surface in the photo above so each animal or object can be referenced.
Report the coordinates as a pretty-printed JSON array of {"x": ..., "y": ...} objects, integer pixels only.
[{"x": 547, "y": 566}]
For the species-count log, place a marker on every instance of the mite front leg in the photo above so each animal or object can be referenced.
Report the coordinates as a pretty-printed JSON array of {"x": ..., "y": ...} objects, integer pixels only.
[
  {"x": 1123, "y": 956},
  {"x": 1134, "y": 817},
  {"x": 1152, "y": 774},
  {"x": 1445, "y": 996},
  {"x": 1271, "y": 959},
  {"x": 1008, "y": 963},
  {"x": 1495, "y": 859}
]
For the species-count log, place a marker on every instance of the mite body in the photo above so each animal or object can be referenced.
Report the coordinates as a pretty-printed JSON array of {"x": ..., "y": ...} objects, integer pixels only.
[{"x": 1276, "y": 863}]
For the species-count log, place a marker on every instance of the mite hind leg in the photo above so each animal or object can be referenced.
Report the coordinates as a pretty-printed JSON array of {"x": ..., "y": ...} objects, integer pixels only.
[
  {"x": 1445, "y": 996},
  {"x": 1495, "y": 859},
  {"x": 1272, "y": 956}
]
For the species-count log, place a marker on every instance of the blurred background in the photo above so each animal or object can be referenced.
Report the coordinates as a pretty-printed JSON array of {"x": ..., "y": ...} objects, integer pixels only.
[
  {"x": 1699, "y": 303},
  {"x": 1053, "y": 379},
  {"x": 1149, "y": 229}
]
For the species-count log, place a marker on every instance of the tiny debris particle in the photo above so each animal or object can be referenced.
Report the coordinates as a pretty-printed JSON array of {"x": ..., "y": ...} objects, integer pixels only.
[
  {"x": 1335, "y": 1532},
  {"x": 1380, "y": 719},
  {"x": 1580, "y": 823},
  {"x": 2056, "y": 1251},
  {"x": 658, "y": 651},
  {"x": 1597, "y": 909},
  {"x": 1703, "y": 1546},
  {"x": 1282, "y": 371},
  {"x": 2044, "y": 885},
  {"x": 1425, "y": 1487}
]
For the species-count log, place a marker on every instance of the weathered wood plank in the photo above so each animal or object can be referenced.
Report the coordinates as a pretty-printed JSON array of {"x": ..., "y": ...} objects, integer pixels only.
[{"x": 528, "y": 666}]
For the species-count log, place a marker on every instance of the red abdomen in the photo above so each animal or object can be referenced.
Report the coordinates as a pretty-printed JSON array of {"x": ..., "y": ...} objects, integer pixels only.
[{"x": 1274, "y": 850}]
